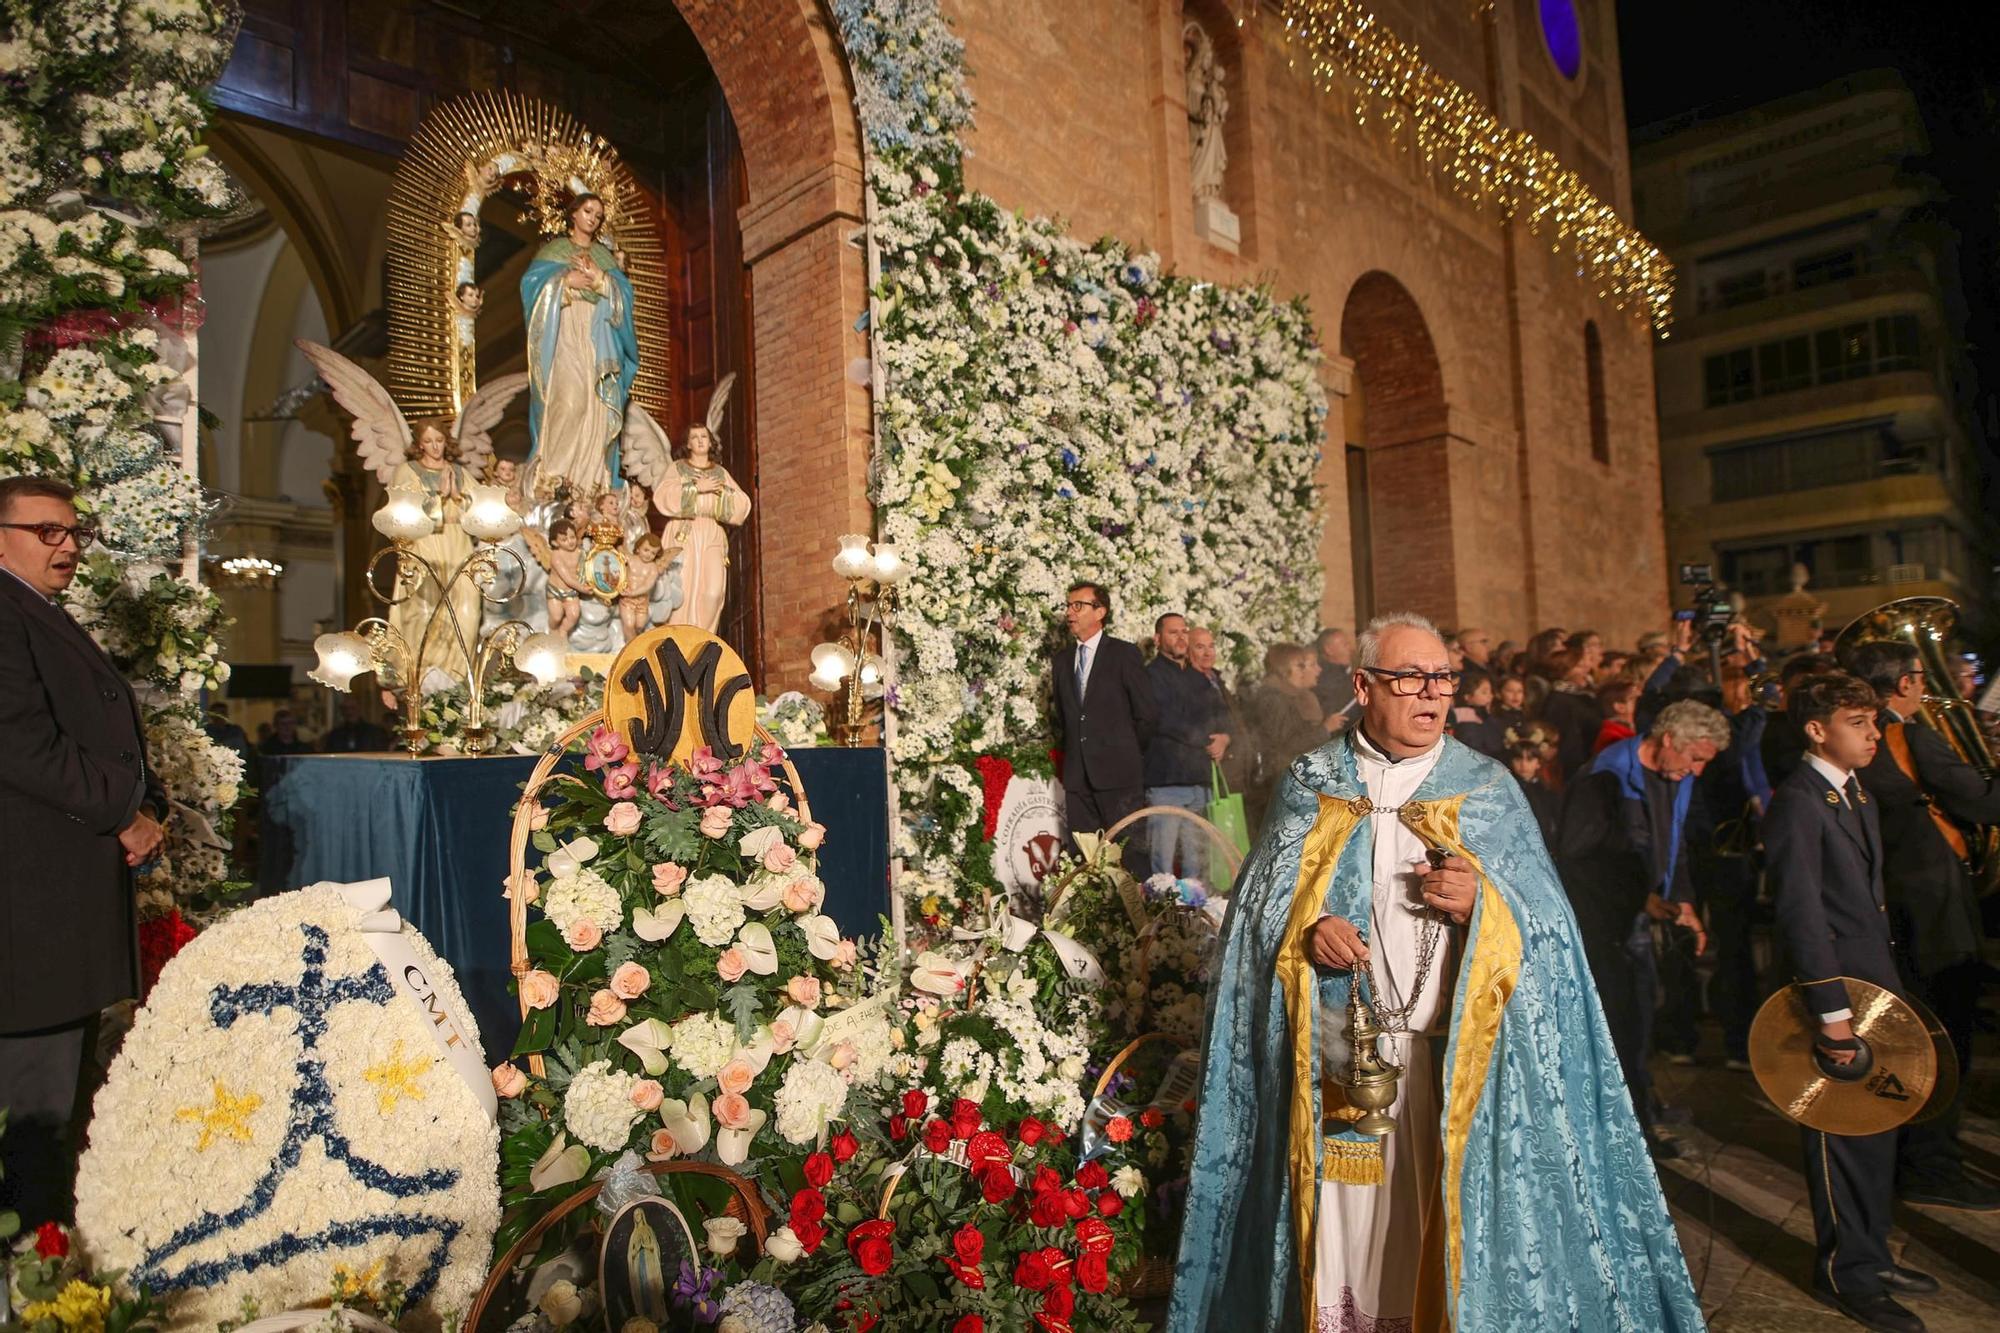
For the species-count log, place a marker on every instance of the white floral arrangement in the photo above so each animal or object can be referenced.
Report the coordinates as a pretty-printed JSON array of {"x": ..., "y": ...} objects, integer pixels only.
[
  {"x": 282, "y": 1106},
  {"x": 1044, "y": 396},
  {"x": 523, "y": 715},
  {"x": 797, "y": 720},
  {"x": 102, "y": 106}
]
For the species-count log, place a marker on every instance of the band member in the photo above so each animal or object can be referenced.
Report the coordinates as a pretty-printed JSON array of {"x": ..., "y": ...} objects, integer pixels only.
[
  {"x": 1929, "y": 799},
  {"x": 1824, "y": 854}
]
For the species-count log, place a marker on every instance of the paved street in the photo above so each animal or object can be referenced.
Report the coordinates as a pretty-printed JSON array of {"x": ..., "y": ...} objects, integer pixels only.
[{"x": 1740, "y": 1201}]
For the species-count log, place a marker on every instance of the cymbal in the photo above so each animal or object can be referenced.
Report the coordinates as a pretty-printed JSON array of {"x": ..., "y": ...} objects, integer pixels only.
[
  {"x": 1899, "y": 1074},
  {"x": 1947, "y": 1065}
]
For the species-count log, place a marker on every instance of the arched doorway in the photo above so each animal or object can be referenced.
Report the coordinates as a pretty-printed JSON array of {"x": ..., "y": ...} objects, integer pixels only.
[
  {"x": 738, "y": 120},
  {"x": 1398, "y": 484}
]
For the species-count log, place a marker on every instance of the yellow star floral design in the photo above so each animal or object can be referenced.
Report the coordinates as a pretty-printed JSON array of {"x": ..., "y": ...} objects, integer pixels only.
[
  {"x": 227, "y": 1115},
  {"x": 396, "y": 1078}
]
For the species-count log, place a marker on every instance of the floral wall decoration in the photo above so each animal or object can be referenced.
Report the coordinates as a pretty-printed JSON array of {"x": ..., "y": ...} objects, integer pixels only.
[
  {"x": 1054, "y": 410},
  {"x": 103, "y": 182}
]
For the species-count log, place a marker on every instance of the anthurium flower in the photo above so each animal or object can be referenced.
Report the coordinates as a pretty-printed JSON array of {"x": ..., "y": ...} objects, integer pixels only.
[
  {"x": 562, "y": 1164},
  {"x": 822, "y": 936},
  {"x": 687, "y": 1122},
  {"x": 759, "y": 949},
  {"x": 648, "y": 1039},
  {"x": 654, "y": 925},
  {"x": 571, "y": 857},
  {"x": 763, "y": 892},
  {"x": 935, "y": 974},
  {"x": 755, "y": 843},
  {"x": 732, "y": 1146}
]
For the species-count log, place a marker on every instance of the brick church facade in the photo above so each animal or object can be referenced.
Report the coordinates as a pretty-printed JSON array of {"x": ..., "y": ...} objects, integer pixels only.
[{"x": 1491, "y": 456}]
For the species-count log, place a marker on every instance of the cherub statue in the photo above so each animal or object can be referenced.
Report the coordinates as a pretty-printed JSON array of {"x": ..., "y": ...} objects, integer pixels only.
[
  {"x": 646, "y": 570},
  {"x": 435, "y": 461},
  {"x": 506, "y": 474},
  {"x": 464, "y": 230},
  {"x": 558, "y": 555},
  {"x": 468, "y": 298},
  {"x": 699, "y": 497}
]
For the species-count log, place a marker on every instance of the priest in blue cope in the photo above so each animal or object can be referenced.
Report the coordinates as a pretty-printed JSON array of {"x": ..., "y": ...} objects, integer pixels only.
[{"x": 1515, "y": 1191}]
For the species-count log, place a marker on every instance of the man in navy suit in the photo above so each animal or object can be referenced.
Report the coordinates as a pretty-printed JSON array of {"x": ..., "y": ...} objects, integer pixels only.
[
  {"x": 1105, "y": 714},
  {"x": 1823, "y": 851},
  {"x": 78, "y": 809}
]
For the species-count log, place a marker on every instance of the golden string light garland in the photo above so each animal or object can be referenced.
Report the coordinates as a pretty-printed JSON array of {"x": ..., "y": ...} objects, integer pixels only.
[{"x": 1352, "y": 52}]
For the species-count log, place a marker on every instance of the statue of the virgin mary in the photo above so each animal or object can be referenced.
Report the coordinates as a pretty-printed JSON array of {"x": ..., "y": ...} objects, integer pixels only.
[{"x": 582, "y": 354}]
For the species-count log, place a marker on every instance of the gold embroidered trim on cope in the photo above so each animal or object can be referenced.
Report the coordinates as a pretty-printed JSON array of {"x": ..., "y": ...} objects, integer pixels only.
[
  {"x": 1493, "y": 957},
  {"x": 1324, "y": 843}
]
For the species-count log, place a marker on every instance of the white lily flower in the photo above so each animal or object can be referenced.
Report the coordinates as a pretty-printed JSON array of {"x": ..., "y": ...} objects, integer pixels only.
[
  {"x": 563, "y": 1163},
  {"x": 759, "y": 950},
  {"x": 732, "y": 1146},
  {"x": 822, "y": 936},
  {"x": 649, "y": 1041},
  {"x": 656, "y": 924}
]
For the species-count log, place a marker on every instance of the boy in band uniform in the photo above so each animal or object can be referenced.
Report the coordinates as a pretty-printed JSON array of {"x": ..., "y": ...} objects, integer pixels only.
[{"x": 1823, "y": 849}]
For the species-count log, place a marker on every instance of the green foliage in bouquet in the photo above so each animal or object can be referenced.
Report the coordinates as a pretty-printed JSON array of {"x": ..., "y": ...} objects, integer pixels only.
[{"x": 686, "y": 995}]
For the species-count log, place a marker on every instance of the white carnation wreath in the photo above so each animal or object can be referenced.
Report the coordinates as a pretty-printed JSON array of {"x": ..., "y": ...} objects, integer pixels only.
[{"x": 279, "y": 1108}]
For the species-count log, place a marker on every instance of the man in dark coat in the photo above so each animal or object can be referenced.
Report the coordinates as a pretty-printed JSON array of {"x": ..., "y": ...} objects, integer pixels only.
[
  {"x": 1824, "y": 849},
  {"x": 1105, "y": 714},
  {"x": 1188, "y": 738},
  {"x": 1929, "y": 799},
  {"x": 1622, "y": 853},
  {"x": 78, "y": 809}
]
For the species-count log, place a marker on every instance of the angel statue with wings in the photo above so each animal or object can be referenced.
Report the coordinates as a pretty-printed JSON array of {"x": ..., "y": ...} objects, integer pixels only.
[
  {"x": 583, "y": 353},
  {"x": 437, "y": 460},
  {"x": 699, "y": 497}
]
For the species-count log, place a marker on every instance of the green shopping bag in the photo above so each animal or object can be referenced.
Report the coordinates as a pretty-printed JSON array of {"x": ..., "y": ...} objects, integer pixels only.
[{"x": 1225, "y": 811}]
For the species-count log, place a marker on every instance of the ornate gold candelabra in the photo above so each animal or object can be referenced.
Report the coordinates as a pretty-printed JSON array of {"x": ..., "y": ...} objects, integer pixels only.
[
  {"x": 378, "y": 645},
  {"x": 848, "y": 667}
]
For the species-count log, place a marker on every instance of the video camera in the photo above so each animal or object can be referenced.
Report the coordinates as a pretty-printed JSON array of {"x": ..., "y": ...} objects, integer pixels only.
[{"x": 1714, "y": 609}]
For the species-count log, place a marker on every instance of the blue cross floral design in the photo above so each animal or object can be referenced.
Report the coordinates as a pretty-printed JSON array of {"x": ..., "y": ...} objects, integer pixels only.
[{"x": 311, "y": 1117}]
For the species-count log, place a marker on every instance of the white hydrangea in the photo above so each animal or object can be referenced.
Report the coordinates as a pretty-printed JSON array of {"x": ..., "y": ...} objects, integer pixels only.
[
  {"x": 583, "y": 895},
  {"x": 598, "y": 1108},
  {"x": 714, "y": 909},
  {"x": 811, "y": 1095},
  {"x": 702, "y": 1044}
]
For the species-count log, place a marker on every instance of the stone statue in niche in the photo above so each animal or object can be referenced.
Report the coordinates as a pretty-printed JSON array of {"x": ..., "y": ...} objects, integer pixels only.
[{"x": 1208, "y": 155}]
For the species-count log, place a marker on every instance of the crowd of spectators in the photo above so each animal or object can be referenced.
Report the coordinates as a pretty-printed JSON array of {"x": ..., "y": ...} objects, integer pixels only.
[{"x": 1648, "y": 769}]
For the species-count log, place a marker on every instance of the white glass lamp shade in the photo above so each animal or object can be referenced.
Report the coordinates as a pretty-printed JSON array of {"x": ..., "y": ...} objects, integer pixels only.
[
  {"x": 874, "y": 674},
  {"x": 488, "y": 517},
  {"x": 831, "y": 663},
  {"x": 852, "y": 561},
  {"x": 403, "y": 518},
  {"x": 342, "y": 657},
  {"x": 887, "y": 568},
  {"x": 542, "y": 656}
]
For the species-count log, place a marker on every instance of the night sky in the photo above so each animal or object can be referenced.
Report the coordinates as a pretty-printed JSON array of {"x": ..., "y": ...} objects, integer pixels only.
[{"x": 1687, "y": 55}]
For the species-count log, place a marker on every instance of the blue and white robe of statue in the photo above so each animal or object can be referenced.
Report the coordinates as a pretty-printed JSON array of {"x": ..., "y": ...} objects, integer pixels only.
[{"x": 1549, "y": 1213}]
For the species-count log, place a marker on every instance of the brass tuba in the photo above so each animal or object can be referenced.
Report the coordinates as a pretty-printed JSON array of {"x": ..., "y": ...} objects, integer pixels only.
[{"x": 1925, "y": 624}]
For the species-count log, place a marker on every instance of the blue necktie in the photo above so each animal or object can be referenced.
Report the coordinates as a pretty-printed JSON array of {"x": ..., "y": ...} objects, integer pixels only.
[{"x": 1082, "y": 667}]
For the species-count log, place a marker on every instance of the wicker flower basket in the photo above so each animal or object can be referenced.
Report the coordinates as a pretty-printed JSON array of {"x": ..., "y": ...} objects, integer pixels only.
[
  {"x": 523, "y": 831},
  {"x": 745, "y": 1205}
]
